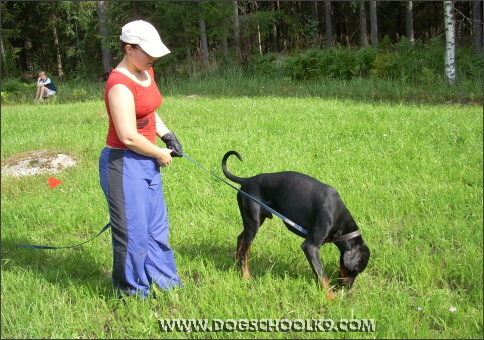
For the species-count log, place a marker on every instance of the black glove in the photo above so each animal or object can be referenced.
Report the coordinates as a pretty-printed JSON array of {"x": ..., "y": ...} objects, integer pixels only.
[{"x": 172, "y": 143}]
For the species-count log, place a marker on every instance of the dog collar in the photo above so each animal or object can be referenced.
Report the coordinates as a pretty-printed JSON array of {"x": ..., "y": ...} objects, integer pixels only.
[{"x": 347, "y": 236}]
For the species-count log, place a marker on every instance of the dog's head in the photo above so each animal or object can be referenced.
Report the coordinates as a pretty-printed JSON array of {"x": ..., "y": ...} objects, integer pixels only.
[{"x": 352, "y": 262}]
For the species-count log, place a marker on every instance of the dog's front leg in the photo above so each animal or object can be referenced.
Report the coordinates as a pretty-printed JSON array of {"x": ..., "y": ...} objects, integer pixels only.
[{"x": 312, "y": 254}]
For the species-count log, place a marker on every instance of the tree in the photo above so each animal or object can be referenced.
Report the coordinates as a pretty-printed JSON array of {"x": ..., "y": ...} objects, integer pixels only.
[
  {"x": 103, "y": 31},
  {"x": 9, "y": 33},
  {"x": 363, "y": 28},
  {"x": 329, "y": 24},
  {"x": 477, "y": 28},
  {"x": 373, "y": 24},
  {"x": 274, "y": 28},
  {"x": 409, "y": 21},
  {"x": 60, "y": 71},
  {"x": 203, "y": 34},
  {"x": 450, "y": 68},
  {"x": 259, "y": 35},
  {"x": 238, "y": 48},
  {"x": 314, "y": 23}
]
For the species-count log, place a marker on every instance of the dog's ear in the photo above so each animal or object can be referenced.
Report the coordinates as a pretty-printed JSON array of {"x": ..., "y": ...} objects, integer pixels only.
[
  {"x": 351, "y": 258},
  {"x": 356, "y": 258}
]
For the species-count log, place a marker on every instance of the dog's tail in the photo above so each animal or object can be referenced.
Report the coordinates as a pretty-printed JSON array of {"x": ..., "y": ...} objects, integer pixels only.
[{"x": 227, "y": 174}]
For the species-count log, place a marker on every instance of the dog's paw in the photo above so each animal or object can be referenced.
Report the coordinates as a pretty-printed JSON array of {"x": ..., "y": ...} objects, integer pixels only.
[{"x": 246, "y": 276}]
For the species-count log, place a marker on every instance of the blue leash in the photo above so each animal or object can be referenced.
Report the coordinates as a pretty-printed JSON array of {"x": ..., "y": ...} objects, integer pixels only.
[
  {"x": 282, "y": 217},
  {"x": 76, "y": 245}
]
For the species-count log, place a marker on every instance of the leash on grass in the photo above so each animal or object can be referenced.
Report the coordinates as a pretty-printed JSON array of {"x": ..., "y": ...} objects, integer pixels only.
[
  {"x": 282, "y": 217},
  {"x": 76, "y": 245}
]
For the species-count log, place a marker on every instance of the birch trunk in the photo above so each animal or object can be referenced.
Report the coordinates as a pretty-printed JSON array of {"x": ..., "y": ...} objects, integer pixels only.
[
  {"x": 409, "y": 21},
  {"x": 450, "y": 73}
]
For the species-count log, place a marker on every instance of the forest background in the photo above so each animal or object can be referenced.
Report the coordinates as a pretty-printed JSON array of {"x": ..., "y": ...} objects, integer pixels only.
[{"x": 294, "y": 40}]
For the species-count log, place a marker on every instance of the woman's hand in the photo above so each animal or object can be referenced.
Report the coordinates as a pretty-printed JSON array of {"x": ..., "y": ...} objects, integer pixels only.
[{"x": 164, "y": 157}]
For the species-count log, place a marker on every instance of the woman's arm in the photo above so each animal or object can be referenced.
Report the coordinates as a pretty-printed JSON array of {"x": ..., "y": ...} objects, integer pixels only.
[
  {"x": 161, "y": 128},
  {"x": 121, "y": 104},
  {"x": 169, "y": 138}
]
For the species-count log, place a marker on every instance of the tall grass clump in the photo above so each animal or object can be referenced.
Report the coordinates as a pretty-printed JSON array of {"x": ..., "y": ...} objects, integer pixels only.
[{"x": 339, "y": 63}]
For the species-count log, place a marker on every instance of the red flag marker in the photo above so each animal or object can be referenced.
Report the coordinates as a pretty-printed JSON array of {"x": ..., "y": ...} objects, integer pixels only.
[{"x": 53, "y": 182}]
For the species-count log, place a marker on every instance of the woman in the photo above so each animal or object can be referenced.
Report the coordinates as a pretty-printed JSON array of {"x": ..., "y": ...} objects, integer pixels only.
[{"x": 129, "y": 167}]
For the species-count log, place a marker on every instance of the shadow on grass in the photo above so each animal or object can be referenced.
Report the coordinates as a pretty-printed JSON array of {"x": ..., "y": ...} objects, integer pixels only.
[
  {"x": 261, "y": 260},
  {"x": 61, "y": 267},
  {"x": 77, "y": 266}
]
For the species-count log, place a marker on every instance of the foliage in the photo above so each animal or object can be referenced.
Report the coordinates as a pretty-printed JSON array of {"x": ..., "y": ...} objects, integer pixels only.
[
  {"x": 267, "y": 27},
  {"x": 13, "y": 86},
  {"x": 469, "y": 65},
  {"x": 269, "y": 65},
  {"x": 408, "y": 60},
  {"x": 339, "y": 63},
  {"x": 405, "y": 61},
  {"x": 30, "y": 36},
  {"x": 14, "y": 91}
]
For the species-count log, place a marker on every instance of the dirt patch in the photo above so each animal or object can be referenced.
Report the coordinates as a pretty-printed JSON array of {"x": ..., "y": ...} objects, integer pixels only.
[{"x": 37, "y": 162}]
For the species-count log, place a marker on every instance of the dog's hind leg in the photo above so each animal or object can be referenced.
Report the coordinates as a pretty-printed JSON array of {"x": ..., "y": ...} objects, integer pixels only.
[
  {"x": 241, "y": 255},
  {"x": 252, "y": 217},
  {"x": 244, "y": 243},
  {"x": 311, "y": 251},
  {"x": 240, "y": 244}
]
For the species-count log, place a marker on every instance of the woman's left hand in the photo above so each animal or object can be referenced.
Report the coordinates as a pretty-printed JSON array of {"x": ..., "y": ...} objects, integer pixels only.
[{"x": 164, "y": 158}]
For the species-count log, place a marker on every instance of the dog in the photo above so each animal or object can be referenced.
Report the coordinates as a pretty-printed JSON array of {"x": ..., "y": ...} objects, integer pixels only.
[{"x": 311, "y": 204}]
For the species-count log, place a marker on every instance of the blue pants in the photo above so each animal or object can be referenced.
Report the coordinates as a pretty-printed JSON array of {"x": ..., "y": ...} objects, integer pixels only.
[{"x": 139, "y": 222}]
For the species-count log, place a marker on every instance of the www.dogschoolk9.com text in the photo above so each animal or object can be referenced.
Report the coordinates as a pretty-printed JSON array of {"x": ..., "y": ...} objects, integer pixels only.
[{"x": 266, "y": 325}]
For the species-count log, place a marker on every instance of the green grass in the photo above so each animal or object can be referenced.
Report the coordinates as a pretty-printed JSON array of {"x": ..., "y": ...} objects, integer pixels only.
[{"x": 411, "y": 174}]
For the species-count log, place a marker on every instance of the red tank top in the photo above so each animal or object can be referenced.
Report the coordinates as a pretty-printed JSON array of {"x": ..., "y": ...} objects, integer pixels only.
[{"x": 146, "y": 100}]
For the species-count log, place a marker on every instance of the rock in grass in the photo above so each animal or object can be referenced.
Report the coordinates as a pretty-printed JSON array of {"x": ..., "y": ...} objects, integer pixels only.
[{"x": 37, "y": 162}]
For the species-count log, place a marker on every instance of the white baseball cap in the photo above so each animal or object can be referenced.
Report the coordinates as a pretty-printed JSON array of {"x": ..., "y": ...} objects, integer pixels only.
[{"x": 145, "y": 35}]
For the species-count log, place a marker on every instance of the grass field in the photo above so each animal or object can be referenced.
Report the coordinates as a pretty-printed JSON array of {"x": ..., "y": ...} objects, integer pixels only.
[{"x": 411, "y": 174}]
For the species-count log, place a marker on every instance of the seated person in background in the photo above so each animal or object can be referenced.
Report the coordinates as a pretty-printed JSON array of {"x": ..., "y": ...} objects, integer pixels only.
[{"x": 45, "y": 87}]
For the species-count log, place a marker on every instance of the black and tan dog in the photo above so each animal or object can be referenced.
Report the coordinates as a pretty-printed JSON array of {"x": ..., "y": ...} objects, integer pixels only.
[{"x": 313, "y": 205}]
